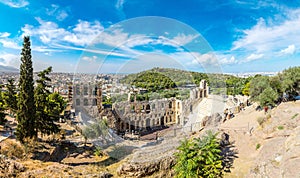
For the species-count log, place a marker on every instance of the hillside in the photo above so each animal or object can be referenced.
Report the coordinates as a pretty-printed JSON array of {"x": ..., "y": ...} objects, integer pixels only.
[
  {"x": 8, "y": 69},
  {"x": 269, "y": 149},
  {"x": 165, "y": 78}
]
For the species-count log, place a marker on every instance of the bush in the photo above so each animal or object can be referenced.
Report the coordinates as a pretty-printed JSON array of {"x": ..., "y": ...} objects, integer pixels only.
[
  {"x": 12, "y": 149},
  {"x": 199, "y": 157},
  {"x": 258, "y": 146},
  {"x": 295, "y": 115},
  {"x": 98, "y": 151},
  {"x": 280, "y": 127}
]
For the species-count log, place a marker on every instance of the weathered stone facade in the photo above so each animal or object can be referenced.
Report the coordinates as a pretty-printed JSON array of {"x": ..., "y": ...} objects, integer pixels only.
[
  {"x": 136, "y": 115},
  {"x": 87, "y": 97},
  {"x": 133, "y": 115}
]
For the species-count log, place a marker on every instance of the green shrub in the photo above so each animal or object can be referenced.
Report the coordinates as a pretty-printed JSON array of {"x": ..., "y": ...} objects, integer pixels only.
[
  {"x": 280, "y": 127},
  {"x": 98, "y": 151},
  {"x": 199, "y": 157},
  {"x": 258, "y": 146},
  {"x": 295, "y": 115}
]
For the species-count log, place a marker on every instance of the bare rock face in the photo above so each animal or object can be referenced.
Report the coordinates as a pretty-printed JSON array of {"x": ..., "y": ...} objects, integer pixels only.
[
  {"x": 142, "y": 169},
  {"x": 9, "y": 168},
  {"x": 279, "y": 157}
]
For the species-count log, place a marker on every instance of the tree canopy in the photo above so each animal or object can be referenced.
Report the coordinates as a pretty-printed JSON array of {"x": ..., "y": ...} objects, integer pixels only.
[{"x": 26, "y": 105}]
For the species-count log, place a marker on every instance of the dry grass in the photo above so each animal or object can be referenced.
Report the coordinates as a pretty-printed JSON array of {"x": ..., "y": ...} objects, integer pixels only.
[{"x": 12, "y": 149}]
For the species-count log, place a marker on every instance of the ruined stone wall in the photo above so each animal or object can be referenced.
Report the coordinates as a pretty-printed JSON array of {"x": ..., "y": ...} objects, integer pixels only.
[
  {"x": 142, "y": 115},
  {"x": 88, "y": 98}
]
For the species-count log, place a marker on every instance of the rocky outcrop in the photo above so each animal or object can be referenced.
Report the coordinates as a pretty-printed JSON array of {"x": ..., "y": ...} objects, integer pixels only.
[
  {"x": 142, "y": 169},
  {"x": 9, "y": 168},
  {"x": 279, "y": 157}
]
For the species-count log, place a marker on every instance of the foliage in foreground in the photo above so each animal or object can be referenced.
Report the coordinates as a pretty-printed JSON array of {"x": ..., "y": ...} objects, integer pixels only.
[{"x": 200, "y": 157}]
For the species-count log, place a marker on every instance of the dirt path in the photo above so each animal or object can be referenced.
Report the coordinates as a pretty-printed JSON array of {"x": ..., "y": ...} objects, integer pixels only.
[{"x": 240, "y": 129}]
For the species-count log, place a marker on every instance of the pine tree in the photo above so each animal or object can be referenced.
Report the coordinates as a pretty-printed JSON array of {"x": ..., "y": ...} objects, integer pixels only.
[
  {"x": 48, "y": 105},
  {"x": 26, "y": 105},
  {"x": 10, "y": 97}
]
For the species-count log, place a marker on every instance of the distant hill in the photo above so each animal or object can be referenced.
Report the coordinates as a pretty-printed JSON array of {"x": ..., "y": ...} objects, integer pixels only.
[
  {"x": 8, "y": 69},
  {"x": 163, "y": 78},
  {"x": 157, "y": 79}
]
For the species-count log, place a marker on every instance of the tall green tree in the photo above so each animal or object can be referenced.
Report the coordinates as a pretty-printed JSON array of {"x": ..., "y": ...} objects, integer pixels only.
[
  {"x": 268, "y": 97},
  {"x": 2, "y": 109},
  {"x": 26, "y": 105},
  {"x": 48, "y": 105},
  {"x": 291, "y": 80},
  {"x": 10, "y": 97}
]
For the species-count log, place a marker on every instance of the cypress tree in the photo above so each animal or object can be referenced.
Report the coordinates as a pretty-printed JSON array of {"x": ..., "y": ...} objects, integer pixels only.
[{"x": 26, "y": 105}]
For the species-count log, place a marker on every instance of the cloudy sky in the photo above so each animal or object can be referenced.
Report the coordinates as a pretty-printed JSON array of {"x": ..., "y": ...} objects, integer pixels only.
[{"x": 131, "y": 35}]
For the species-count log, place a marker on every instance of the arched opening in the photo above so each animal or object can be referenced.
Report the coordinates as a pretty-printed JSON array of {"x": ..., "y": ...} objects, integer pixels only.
[
  {"x": 170, "y": 104},
  {"x": 162, "y": 121},
  {"x": 148, "y": 108}
]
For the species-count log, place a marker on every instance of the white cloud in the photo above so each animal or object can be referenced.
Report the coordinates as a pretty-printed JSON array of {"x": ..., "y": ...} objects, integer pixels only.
[
  {"x": 9, "y": 43},
  {"x": 253, "y": 57},
  {"x": 82, "y": 34},
  {"x": 227, "y": 60},
  {"x": 4, "y": 34},
  {"x": 8, "y": 59},
  {"x": 89, "y": 58},
  {"x": 289, "y": 50},
  {"x": 205, "y": 59},
  {"x": 57, "y": 12},
  {"x": 183, "y": 39},
  {"x": 270, "y": 37},
  {"x": 119, "y": 4},
  {"x": 96, "y": 51},
  {"x": 15, "y": 3}
]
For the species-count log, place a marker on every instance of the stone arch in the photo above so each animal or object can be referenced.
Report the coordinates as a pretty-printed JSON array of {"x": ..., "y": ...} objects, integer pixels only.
[
  {"x": 170, "y": 104},
  {"x": 162, "y": 121},
  {"x": 148, "y": 109}
]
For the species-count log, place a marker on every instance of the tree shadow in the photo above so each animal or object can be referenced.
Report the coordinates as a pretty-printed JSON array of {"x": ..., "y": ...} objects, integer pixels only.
[
  {"x": 116, "y": 154},
  {"x": 228, "y": 152}
]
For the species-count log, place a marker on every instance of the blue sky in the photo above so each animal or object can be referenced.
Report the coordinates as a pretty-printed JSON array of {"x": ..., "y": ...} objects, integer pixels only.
[{"x": 124, "y": 36}]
